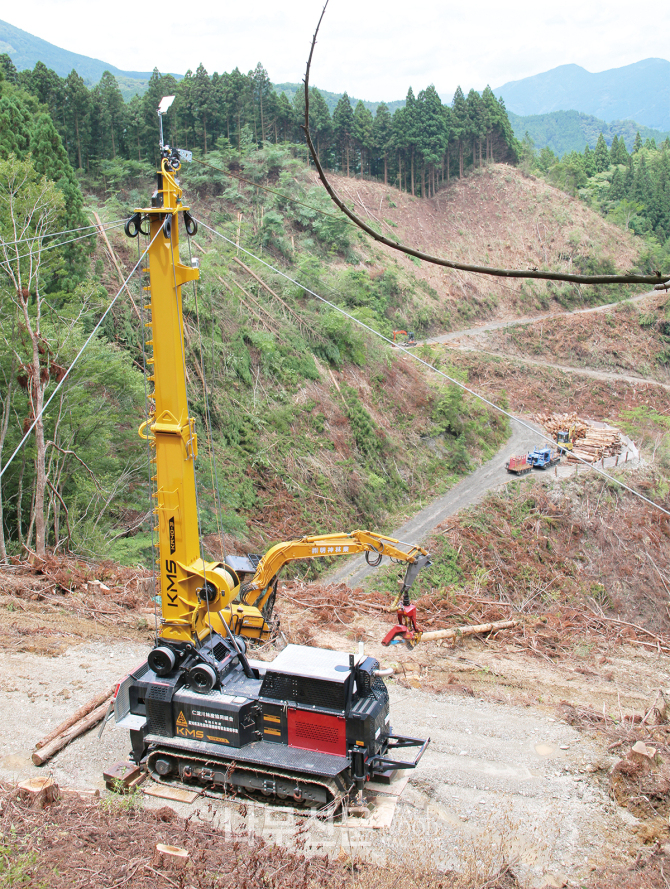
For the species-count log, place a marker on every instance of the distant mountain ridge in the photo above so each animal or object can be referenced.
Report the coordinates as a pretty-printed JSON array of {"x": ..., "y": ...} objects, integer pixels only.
[
  {"x": 565, "y": 108},
  {"x": 331, "y": 99},
  {"x": 565, "y": 131},
  {"x": 639, "y": 92},
  {"x": 25, "y": 50}
]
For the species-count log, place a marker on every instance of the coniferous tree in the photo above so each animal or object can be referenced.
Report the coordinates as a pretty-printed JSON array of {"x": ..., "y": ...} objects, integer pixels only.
[
  {"x": 362, "y": 134},
  {"x": 382, "y": 134},
  {"x": 614, "y": 150},
  {"x": 111, "y": 113},
  {"x": 490, "y": 115},
  {"x": 618, "y": 185},
  {"x": 460, "y": 126},
  {"x": 285, "y": 121},
  {"x": 14, "y": 126},
  {"x": 78, "y": 117},
  {"x": 601, "y": 156},
  {"x": 238, "y": 92},
  {"x": 589, "y": 162},
  {"x": 49, "y": 159},
  {"x": 477, "y": 114},
  {"x": 204, "y": 107},
  {"x": 433, "y": 135},
  {"x": 262, "y": 90},
  {"x": 343, "y": 127},
  {"x": 8, "y": 68},
  {"x": 399, "y": 142},
  {"x": 637, "y": 145},
  {"x": 622, "y": 156},
  {"x": 319, "y": 121}
]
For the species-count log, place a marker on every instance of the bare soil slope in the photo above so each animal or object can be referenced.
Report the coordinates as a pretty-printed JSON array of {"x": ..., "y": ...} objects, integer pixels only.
[
  {"x": 497, "y": 216},
  {"x": 626, "y": 339}
]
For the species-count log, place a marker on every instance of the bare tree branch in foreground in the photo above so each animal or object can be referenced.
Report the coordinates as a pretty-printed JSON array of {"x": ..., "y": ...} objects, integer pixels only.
[{"x": 448, "y": 263}]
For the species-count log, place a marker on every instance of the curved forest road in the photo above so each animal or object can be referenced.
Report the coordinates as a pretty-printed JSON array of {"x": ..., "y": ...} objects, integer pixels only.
[
  {"x": 490, "y": 475},
  {"x": 531, "y": 319},
  {"x": 605, "y": 375}
]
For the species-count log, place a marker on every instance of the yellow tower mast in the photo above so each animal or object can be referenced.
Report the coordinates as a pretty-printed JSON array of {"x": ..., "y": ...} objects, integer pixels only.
[
  {"x": 197, "y": 596},
  {"x": 190, "y": 588}
]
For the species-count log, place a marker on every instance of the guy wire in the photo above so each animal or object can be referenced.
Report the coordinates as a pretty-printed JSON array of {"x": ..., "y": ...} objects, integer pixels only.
[
  {"x": 76, "y": 359},
  {"x": 66, "y": 231},
  {"x": 213, "y": 471},
  {"x": 58, "y": 244}
]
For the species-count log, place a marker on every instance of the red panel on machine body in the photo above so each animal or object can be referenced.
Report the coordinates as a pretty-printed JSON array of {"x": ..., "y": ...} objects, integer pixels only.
[{"x": 317, "y": 731}]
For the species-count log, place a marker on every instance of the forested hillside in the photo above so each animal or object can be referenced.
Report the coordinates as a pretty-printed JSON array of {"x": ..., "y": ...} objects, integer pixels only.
[
  {"x": 631, "y": 189},
  {"x": 565, "y": 131},
  {"x": 417, "y": 148},
  {"x": 305, "y": 423}
]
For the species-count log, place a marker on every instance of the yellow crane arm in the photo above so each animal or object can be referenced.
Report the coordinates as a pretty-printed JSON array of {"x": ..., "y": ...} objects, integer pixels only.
[{"x": 375, "y": 545}]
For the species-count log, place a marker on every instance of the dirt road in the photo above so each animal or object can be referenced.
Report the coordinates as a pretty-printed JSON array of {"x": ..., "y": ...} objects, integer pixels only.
[
  {"x": 488, "y": 477},
  {"x": 465, "y": 493},
  {"x": 499, "y": 773},
  {"x": 530, "y": 319},
  {"x": 607, "y": 376},
  {"x": 502, "y": 771}
]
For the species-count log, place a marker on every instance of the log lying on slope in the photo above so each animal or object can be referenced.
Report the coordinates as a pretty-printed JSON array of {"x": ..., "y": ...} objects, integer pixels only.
[{"x": 455, "y": 632}]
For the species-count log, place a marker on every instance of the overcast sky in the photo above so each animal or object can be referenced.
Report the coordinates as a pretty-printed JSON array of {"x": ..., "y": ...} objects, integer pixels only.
[{"x": 370, "y": 48}]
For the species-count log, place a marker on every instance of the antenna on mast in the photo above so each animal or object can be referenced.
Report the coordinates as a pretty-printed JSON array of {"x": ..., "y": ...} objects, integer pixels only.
[{"x": 163, "y": 107}]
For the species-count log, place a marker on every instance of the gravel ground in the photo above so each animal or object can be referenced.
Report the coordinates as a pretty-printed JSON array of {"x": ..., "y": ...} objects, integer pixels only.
[{"x": 495, "y": 776}]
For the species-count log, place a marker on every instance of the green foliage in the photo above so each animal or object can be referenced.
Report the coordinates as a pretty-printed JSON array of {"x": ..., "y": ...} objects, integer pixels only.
[
  {"x": 368, "y": 437},
  {"x": 562, "y": 132},
  {"x": 16, "y": 862},
  {"x": 244, "y": 112},
  {"x": 447, "y": 412},
  {"x": 633, "y": 191}
]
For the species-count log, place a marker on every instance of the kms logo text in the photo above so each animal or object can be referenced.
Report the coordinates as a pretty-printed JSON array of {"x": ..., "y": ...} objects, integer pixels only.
[{"x": 171, "y": 577}]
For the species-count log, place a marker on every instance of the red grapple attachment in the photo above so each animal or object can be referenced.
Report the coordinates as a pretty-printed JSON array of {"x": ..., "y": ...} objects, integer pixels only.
[{"x": 406, "y": 629}]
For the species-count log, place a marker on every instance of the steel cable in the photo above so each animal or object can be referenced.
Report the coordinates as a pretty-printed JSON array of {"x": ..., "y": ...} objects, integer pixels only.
[{"x": 77, "y": 357}]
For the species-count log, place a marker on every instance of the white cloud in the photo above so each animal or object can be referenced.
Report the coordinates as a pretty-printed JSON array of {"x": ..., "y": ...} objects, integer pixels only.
[{"x": 374, "y": 50}]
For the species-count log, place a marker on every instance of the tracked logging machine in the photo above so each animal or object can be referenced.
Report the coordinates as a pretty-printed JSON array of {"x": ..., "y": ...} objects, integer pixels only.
[{"x": 313, "y": 725}]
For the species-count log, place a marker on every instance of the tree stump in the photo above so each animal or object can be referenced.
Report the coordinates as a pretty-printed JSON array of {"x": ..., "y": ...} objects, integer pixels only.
[
  {"x": 170, "y": 856},
  {"x": 39, "y": 792}
]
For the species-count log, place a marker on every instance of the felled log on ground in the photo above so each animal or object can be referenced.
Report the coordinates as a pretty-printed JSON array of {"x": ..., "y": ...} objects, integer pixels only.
[
  {"x": 474, "y": 630},
  {"x": 84, "y": 710},
  {"x": 83, "y": 725}
]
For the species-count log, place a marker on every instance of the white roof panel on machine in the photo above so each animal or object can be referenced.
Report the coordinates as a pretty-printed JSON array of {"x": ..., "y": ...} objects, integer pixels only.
[{"x": 318, "y": 663}]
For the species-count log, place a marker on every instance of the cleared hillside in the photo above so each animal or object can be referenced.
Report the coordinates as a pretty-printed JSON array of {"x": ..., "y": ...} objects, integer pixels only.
[
  {"x": 316, "y": 425},
  {"x": 501, "y": 217}
]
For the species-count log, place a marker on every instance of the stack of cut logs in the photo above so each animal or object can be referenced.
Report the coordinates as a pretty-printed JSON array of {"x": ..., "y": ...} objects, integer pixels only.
[
  {"x": 590, "y": 443},
  {"x": 555, "y": 423},
  {"x": 596, "y": 444}
]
